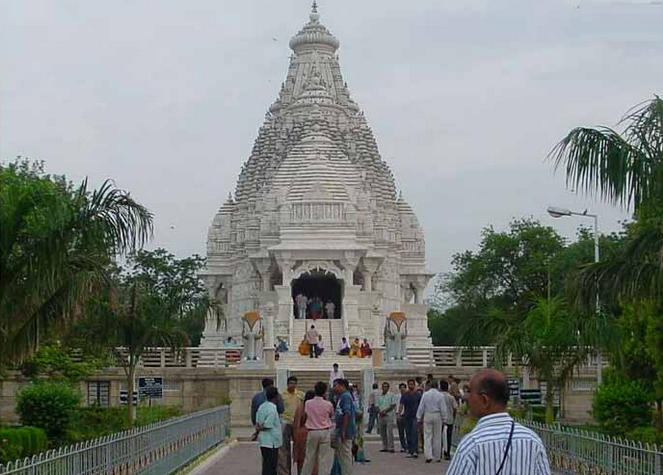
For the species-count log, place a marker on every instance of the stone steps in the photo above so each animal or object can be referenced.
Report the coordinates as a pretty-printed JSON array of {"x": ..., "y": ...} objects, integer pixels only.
[{"x": 331, "y": 331}]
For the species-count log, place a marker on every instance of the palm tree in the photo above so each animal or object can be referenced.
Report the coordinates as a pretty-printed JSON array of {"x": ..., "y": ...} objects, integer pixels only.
[
  {"x": 549, "y": 338},
  {"x": 131, "y": 319},
  {"x": 56, "y": 243},
  {"x": 624, "y": 169}
]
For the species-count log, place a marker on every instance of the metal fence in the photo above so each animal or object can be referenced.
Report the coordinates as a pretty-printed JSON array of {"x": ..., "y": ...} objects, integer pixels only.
[
  {"x": 157, "y": 449},
  {"x": 572, "y": 451}
]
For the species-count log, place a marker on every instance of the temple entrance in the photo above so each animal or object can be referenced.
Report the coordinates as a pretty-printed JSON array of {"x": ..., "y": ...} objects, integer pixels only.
[{"x": 319, "y": 288}]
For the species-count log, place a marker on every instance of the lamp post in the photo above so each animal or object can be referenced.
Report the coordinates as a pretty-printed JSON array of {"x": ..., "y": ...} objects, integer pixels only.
[{"x": 556, "y": 212}]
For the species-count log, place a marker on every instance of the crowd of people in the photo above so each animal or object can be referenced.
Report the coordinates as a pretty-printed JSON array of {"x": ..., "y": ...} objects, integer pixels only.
[
  {"x": 313, "y": 307},
  {"x": 321, "y": 431},
  {"x": 313, "y": 345}
]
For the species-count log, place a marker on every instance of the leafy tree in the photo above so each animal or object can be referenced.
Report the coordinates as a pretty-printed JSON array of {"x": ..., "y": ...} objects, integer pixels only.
[
  {"x": 56, "y": 241},
  {"x": 509, "y": 269},
  {"x": 176, "y": 284}
]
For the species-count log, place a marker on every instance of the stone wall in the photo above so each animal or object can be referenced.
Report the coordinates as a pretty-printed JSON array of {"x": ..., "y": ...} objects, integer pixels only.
[{"x": 200, "y": 388}]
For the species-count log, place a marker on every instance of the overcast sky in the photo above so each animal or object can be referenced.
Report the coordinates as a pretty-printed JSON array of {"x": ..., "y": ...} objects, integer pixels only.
[{"x": 465, "y": 97}]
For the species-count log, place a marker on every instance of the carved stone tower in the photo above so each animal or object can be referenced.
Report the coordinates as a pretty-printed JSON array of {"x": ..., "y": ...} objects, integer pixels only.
[{"x": 315, "y": 212}]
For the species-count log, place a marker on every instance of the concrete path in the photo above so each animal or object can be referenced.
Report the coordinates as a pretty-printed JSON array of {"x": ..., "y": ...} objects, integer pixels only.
[{"x": 244, "y": 459}]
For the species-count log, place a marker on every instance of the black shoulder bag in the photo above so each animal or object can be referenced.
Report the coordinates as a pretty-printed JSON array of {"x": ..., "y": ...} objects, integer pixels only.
[{"x": 508, "y": 447}]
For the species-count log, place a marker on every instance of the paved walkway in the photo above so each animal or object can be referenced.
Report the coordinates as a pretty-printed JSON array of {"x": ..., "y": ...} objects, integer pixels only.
[{"x": 244, "y": 459}]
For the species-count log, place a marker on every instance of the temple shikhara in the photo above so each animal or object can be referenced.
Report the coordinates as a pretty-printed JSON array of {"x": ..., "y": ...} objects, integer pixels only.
[{"x": 316, "y": 228}]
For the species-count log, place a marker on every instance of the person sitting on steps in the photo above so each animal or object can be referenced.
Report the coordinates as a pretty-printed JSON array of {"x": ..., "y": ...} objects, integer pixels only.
[
  {"x": 345, "y": 348},
  {"x": 355, "y": 349}
]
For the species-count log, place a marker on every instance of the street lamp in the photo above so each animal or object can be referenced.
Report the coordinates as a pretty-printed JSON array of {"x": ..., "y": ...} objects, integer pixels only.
[{"x": 556, "y": 212}]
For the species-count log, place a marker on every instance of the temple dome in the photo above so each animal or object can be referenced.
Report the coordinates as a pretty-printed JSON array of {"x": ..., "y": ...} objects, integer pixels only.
[{"x": 314, "y": 35}]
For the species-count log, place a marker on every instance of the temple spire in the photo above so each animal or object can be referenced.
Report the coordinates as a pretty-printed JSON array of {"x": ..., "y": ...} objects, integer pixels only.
[{"x": 314, "y": 7}]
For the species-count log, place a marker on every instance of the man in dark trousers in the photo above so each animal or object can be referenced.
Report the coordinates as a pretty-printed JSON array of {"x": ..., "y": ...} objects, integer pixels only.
[
  {"x": 261, "y": 397},
  {"x": 410, "y": 402}
]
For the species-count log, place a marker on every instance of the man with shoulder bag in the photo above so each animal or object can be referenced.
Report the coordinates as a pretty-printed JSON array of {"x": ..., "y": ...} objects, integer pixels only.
[{"x": 497, "y": 445}]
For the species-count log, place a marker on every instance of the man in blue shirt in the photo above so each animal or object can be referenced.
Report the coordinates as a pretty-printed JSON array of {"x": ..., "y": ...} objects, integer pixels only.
[
  {"x": 261, "y": 397},
  {"x": 268, "y": 426},
  {"x": 346, "y": 428},
  {"x": 410, "y": 404}
]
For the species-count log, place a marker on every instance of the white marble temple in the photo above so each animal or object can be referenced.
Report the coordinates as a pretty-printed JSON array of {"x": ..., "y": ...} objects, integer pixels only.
[{"x": 316, "y": 199}]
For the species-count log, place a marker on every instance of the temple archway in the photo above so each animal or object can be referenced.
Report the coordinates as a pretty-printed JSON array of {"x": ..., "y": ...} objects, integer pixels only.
[{"x": 321, "y": 284}]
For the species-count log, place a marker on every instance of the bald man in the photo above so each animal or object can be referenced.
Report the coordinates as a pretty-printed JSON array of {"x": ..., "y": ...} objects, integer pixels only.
[{"x": 497, "y": 444}]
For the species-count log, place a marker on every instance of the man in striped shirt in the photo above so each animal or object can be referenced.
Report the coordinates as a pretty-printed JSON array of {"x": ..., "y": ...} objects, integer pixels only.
[{"x": 497, "y": 445}]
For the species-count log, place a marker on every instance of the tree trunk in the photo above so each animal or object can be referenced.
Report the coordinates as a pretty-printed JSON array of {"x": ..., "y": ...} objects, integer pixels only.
[
  {"x": 131, "y": 379},
  {"x": 550, "y": 399},
  {"x": 659, "y": 413}
]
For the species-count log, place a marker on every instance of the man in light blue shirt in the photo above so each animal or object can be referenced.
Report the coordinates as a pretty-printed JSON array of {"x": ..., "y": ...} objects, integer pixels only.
[{"x": 268, "y": 427}]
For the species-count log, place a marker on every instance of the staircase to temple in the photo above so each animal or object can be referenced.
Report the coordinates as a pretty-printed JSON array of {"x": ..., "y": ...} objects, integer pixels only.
[{"x": 331, "y": 331}]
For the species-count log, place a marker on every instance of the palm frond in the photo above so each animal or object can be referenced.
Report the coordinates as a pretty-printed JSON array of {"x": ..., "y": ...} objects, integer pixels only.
[{"x": 621, "y": 169}]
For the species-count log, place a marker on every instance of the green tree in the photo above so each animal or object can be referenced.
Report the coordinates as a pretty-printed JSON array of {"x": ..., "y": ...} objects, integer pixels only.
[
  {"x": 176, "y": 284},
  {"x": 550, "y": 338},
  {"x": 56, "y": 241}
]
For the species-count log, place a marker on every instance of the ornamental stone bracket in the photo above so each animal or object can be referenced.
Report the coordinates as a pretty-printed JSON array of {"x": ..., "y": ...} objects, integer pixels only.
[
  {"x": 415, "y": 284},
  {"x": 263, "y": 265},
  {"x": 369, "y": 266}
]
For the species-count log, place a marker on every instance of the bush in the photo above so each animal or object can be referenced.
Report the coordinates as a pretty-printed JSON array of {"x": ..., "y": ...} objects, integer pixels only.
[
  {"x": 152, "y": 414},
  {"x": 647, "y": 434},
  {"x": 95, "y": 421},
  {"x": 48, "y": 405},
  {"x": 621, "y": 406},
  {"x": 19, "y": 442}
]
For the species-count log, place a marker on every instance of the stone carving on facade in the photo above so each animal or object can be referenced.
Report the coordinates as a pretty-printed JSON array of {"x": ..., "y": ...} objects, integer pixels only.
[
  {"x": 253, "y": 333},
  {"x": 395, "y": 334}
]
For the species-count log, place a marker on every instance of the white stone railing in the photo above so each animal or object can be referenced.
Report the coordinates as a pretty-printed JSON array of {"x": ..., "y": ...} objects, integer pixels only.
[
  {"x": 193, "y": 357},
  {"x": 478, "y": 357}
]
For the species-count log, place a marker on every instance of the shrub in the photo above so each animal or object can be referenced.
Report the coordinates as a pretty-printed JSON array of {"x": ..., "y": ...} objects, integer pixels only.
[
  {"x": 19, "y": 442},
  {"x": 152, "y": 414},
  {"x": 621, "y": 406},
  {"x": 647, "y": 434},
  {"x": 48, "y": 405}
]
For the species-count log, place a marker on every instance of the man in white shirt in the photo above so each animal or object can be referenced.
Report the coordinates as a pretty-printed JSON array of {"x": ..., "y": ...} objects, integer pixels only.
[
  {"x": 372, "y": 408},
  {"x": 335, "y": 374},
  {"x": 312, "y": 339},
  {"x": 497, "y": 444},
  {"x": 432, "y": 410}
]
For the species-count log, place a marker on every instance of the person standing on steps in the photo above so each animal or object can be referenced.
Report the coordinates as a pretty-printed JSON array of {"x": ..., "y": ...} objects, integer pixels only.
[
  {"x": 321, "y": 345},
  {"x": 292, "y": 399},
  {"x": 312, "y": 338},
  {"x": 432, "y": 411},
  {"x": 497, "y": 444},
  {"x": 410, "y": 403},
  {"x": 387, "y": 403}
]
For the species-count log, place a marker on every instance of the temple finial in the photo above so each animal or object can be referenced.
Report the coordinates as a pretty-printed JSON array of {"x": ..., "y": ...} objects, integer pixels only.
[{"x": 314, "y": 7}]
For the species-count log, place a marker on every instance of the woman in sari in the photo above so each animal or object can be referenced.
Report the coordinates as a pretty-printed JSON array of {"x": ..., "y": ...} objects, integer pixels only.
[
  {"x": 366, "y": 349},
  {"x": 304, "y": 347},
  {"x": 355, "y": 348},
  {"x": 299, "y": 435}
]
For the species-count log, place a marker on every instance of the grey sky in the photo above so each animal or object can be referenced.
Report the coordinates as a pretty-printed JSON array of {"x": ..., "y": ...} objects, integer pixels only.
[{"x": 465, "y": 97}]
